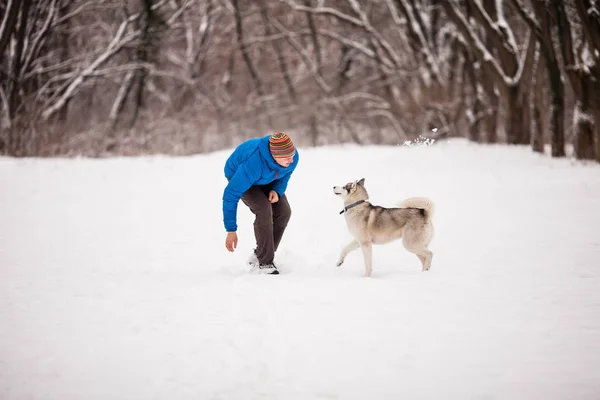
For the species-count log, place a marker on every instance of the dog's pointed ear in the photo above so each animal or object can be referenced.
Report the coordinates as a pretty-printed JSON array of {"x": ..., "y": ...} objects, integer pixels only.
[{"x": 361, "y": 182}]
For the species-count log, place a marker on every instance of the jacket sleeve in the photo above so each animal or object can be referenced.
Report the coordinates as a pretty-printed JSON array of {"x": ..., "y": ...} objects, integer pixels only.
[
  {"x": 280, "y": 185},
  {"x": 240, "y": 182}
]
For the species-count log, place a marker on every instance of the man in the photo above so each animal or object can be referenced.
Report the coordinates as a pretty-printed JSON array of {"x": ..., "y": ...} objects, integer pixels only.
[{"x": 258, "y": 172}]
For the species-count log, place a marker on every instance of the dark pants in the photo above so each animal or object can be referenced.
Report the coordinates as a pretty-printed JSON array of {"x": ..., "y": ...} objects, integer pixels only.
[{"x": 269, "y": 223}]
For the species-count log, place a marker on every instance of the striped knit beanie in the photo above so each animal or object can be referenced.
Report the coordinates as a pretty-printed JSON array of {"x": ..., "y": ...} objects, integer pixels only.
[{"x": 281, "y": 145}]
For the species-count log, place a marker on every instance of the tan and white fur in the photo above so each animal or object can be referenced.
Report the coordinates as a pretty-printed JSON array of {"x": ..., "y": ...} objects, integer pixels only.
[{"x": 370, "y": 224}]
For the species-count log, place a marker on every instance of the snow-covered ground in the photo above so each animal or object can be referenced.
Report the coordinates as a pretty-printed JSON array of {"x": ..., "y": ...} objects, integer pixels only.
[{"x": 115, "y": 283}]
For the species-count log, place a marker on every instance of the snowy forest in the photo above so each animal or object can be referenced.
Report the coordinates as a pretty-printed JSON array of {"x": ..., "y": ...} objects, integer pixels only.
[{"x": 131, "y": 77}]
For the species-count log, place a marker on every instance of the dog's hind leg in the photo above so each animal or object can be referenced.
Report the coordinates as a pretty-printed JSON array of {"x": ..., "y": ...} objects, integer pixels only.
[
  {"x": 413, "y": 243},
  {"x": 351, "y": 247},
  {"x": 367, "y": 250},
  {"x": 425, "y": 256}
]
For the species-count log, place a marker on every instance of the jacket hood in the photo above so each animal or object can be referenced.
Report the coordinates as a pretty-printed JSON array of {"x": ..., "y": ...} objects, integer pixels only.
[{"x": 263, "y": 147}]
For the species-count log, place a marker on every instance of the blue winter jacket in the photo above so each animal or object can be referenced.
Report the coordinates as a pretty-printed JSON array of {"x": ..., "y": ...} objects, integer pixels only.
[{"x": 251, "y": 163}]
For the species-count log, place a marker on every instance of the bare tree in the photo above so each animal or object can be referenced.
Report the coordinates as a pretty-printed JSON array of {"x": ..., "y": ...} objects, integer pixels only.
[
  {"x": 314, "y": 129},
  {"x": 239, "y": 28},
  {"x": 589, "y": 15},
  {"x": 510, "y": 70},
  {"x": 9, "y": 21},
  {"x": 183, "y": 76},
  {"x": 543, "y": 34},
  {"x": 539, "y": 108},
  {"x": 583, "y": 76}
]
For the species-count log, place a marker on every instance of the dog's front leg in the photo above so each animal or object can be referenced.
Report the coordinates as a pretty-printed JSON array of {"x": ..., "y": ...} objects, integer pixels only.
[
  {"x": 351, "y": 247},
  {"x": 367, "y": 250}
]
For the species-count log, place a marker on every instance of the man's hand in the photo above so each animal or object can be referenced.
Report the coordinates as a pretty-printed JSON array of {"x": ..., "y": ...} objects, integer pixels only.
[
  {"x": 273, "y": 196},
  {"x": 231, "y": 241}
]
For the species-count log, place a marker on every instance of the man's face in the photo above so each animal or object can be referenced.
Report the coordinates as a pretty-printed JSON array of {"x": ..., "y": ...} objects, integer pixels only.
[{"x": 284, "y": 162}]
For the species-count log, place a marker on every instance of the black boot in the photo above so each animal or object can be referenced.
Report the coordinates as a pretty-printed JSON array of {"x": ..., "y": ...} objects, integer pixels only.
[{"x": 269, "y": 269}]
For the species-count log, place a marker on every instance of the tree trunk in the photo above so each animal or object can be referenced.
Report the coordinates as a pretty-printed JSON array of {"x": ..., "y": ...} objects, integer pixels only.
[
  {"x": 597, "y": 123},
  {"x": 557, "y": 105},
  {"x": 16, "y": 142},
  {"x": 502, "y": 61},
  {"x": 492, "y": 103},
  {"x": 589, "y": 15},
  {"x": 524, "y": 85},
  {"x": 577, "y": 78},
  {"x": 279, "y": 52},
  {"x": 475, "y": 106},
  {"x": 8, "y": 23},
  {"x": 314, "y": 129},
  {"x": 239, "y": 28},
  {"x": 488, "y": 84},
  {"x": 491, "y": 116},
  {"x": 518, "y": 124},
  {"x": 146, "y": 46},
  {"x": 539, "y": 113},
  {"x": 584, "y": 126},
  {"x": 557, "y": 114},
  {"x": 63, "y": 41},
  {"x": 314, "y": 37},
  {"x": 514, "y": 115},
  {"x": 525, "y": 133}
]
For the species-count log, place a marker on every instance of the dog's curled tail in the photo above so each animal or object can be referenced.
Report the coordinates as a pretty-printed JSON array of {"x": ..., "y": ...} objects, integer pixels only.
[{"x": 423, "y": 203}]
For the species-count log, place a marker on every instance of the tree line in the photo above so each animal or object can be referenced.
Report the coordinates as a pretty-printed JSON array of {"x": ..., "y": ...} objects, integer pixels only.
[{"x": 103, "y": 77}]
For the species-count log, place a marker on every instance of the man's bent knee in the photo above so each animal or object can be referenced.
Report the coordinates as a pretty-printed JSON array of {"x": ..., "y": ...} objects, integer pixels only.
[
  {"x": 263, "y": 214},
  {"x": 284, "y": 211}
]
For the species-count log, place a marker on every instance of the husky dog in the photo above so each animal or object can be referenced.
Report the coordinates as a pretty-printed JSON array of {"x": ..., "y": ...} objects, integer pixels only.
[{"x": 371, "y": 224}]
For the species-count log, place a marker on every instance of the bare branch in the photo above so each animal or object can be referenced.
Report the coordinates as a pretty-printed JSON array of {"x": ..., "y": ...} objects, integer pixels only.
[
  {"x": 589, "y": 15},
  {"x": 369, "y": 28},
  {"x": 115, "y": 45},
  {"x": 8, "y": 23},
  {"x": 384, "y": 113},
  {"x": 120, "y": 99},
  {"x": 325, "y": 11},
  {"x": 483, "y": 54},
  {"x": 416, "y": 31},
  {"x": 313, "y": 36},
  {"x": 500, "y": 36},
  {"x": 304, "y": 55},
  {"x": 38, "y": 40}
]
